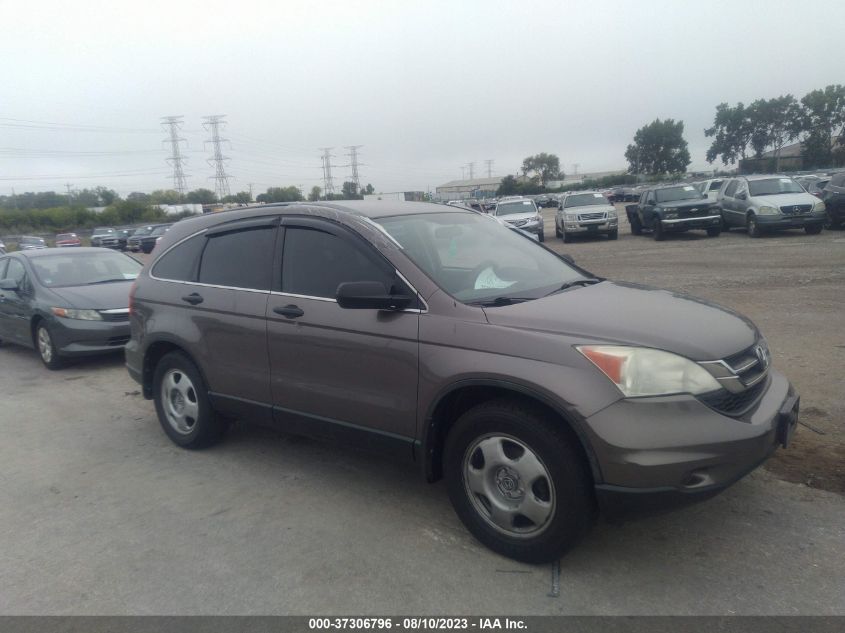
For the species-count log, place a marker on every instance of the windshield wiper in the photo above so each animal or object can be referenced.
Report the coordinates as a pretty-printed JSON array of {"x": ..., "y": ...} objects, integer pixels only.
[
  {"x": 573, "y": 284},
  {"x": 106, "y": 281},
  {"x": 501, "y": 301}
]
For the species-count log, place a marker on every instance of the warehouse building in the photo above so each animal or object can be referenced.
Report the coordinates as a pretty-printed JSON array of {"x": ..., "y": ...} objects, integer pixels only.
[{"x": 473, "y": 188}]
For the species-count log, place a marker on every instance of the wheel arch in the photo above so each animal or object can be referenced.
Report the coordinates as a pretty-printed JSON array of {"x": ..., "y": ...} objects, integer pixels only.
[
  {"x": 459, "y": 397},
  {"x": 154, "y": 353}
]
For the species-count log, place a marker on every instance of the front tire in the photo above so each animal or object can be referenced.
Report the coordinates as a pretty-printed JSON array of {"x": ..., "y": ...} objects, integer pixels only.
[
  {"x": 613, "y": 235},
  {"x": 714, "y": 231},
  {"x": 636, "y": 225},
  {"x": 659, "y": 233},
  {"x": 182, "y": 404},
  {"x": 541, "y": 237},
  {"x": 46, "y": 348},
  {"x": 753, "y": 227},
  {"x": 518, "y": 481},
  {"x": 813, "y": 229}
]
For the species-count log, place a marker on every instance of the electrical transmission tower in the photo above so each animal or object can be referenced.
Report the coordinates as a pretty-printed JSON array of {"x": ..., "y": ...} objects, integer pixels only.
[
  {"x": 489, "y": 163},
  {"x": 173, "y": 124},
  {"x": 353, "y": 159},
  {"x": 328, "y": 183},
  {"x": 218, "y": 161},
  {"x": 471, "y": 167}
]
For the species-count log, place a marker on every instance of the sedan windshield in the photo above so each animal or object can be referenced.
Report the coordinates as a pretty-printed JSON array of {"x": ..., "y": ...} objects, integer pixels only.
[
  {"x": 32, "y": 240},
  {"x": 476, "y": 259},
  {"x": 584, "y": 200},
  {"x": 517, "y": 206},
  {"x": 773, "y": 186},
  {"x": 672, "y": 194},
  {"x": 80, "y": 269}
]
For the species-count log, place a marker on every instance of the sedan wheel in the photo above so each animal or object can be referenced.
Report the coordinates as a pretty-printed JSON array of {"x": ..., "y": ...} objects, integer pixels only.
[{"x": 46, "y": 349}]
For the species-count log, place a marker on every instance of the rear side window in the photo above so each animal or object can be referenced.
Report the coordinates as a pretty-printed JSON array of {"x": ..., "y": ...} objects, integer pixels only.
[
  {"x": 181, "y": 262},
  {"x": 315, "y": 263},
  {"x": 240, "y": 259},
  {"x": 838, "y": 180},
  {"x": 731, "y": 188}
]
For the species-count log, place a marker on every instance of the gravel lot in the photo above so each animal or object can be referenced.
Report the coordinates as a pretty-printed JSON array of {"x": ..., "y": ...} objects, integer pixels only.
[{"x": 101, "y": 514}]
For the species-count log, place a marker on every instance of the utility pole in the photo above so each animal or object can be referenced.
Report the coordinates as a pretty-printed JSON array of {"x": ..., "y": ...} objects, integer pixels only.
[
  {"x": 221, "y": 178},
  {"x": 173, "y": 124},
  {"x": 489, "y": 163},
  {"x": 250, "y": 191},
  {"x": 353, "y": 159},
  {"x": 328, "y": 183}
]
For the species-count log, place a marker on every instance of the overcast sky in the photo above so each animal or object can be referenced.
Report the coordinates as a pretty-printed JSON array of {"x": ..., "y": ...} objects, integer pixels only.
[{"x": 425, "y": 87}]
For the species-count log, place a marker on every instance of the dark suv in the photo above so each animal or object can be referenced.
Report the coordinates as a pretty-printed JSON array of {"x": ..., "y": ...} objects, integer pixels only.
[
  {"x": 443, "y": 338},
  {"x": 833, "y": 196}
]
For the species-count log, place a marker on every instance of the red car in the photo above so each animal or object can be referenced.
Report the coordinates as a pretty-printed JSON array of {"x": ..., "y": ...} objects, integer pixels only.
[{"x": 67, "y": 239}]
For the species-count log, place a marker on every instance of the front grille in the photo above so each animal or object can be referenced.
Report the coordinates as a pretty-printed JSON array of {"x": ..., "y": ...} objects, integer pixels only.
[
  {"x": 115, "y": 317},
  {"x": 734, "y": 404},
  {"x": 591, "y": 216},
  {"x": 796, "y": 209},
  {"x": 117, "y": 341},
  {"x": 693, "y": 213}
]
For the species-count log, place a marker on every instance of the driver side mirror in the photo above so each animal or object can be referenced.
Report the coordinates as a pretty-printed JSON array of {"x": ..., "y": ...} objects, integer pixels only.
[
  {"x": 370, "y": 295},
  {"x": 9, "y": 285}
]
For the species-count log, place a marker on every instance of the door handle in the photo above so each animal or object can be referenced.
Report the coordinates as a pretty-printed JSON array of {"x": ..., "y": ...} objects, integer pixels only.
[
  {"x": 193, "y": 298},
  {"x": 291, "y": 311}
]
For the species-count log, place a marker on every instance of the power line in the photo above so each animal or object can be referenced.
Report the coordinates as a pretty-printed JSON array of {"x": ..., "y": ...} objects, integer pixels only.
[
  {"x": 353, "y": 157},
  {"x": 221, "y": 178},
  {"x": 328, "y": 183},
  {"x": 174, "y": 124}
]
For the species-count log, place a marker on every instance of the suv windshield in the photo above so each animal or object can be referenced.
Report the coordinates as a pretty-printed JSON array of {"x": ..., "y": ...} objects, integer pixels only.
[
  {"x": 79, "y": 269},
  {"x": 103, "y": 231},
  {"x": 142, "y": 231},
  {"x": 517, "y": 206},
  {"x": 715, "y": 185},
  {"x": 584, "y": 200},
  {"x": 474, "y": 258},
  {"x": 773, "y": 186},
  {"x": 684, "y": 192},
  {"x": 31, "y": 240}
]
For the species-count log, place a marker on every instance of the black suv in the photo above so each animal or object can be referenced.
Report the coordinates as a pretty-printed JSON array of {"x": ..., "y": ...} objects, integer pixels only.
[
  {"x": 673, "y": 209},
  {"x": 833, "y": 196}
]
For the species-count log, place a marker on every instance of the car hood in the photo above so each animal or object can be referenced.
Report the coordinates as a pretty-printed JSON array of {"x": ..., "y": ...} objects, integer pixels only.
[
  {"x": 98, "y": 297},
  {"x": 633, "y": 314},
  {"x": 785, "y": 199},
  {"x": 589, "y": 208},
  {"x": 518, "y": 216}
]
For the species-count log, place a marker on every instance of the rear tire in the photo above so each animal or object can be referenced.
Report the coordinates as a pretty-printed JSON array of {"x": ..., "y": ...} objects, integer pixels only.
[
  {"x": 182, "y": 403},
  {"x": 813, "y": 229},
  {"x": 505, "y": 457},
  {"x": 636, "y": 225}
]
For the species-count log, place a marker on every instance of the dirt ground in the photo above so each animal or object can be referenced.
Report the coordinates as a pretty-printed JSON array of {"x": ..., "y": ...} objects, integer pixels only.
[{"x": 792, "y": 285}]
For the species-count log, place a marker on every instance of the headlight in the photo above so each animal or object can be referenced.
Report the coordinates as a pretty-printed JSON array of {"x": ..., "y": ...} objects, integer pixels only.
[
  {"x": 642, "y": 371},
  {"x": 612, "y": 214},
  {"x": 819, "y": 207},
  {"x": 571, "y": 217},
  {"x": 72, "y": 313},
  {"x": 766, "y": 210}
]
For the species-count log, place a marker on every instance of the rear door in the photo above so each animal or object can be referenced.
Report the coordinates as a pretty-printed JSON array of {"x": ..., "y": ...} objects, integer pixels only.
[
  {"x": 217, "y": 307},
  {"x": 728, "y": 204},
  {"x": 339, "y": 372}
]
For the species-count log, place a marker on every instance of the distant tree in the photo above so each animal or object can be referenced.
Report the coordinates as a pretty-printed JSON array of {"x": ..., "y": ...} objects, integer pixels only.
[
  {"x": 659, "y": 148},
  {"x": 137, "y": 196},
  {"x": 107, "y": 196},
  {"x": 732, "y": 128},
  {"x": 315, "y": 194},
  {"x": 822, "y": 121},
  {"x": 776, "y": 123},
  {"x": 242, "y": 197},
  {"x": 368, "y": 190},
  {"x": 508, "y": 187},
  {"x": 201, "y": 196},
  {"x": 543, "y": 166},
  {"x": 166, "y": 196},
  {"x": 350, "y": 191},
  {"x": 280, "y": 194}
]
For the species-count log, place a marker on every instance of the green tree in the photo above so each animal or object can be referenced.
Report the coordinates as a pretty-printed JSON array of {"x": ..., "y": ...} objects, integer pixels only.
[
  {"x": 350, "y": 191},
  {"x": 508, "y": 187},
  {"x": 822, "y": 119},
  {"x": 107, "y": 196},
  {"x": 242, "y": 197},
  {"x": 138, "y": 196},
  {"x": 315, "y": 194},
  {"x": 542, "y": 166},
  {"x": 777, "y": 121},
  {"x": 369, "y": 190},
  {"x": 201, "y": 196},
  {"x": 280, "y": 194},
  {"x": 166, "y": 196},
  {"x": 659, "y": 148},
  {"x": 732, "y": 128}
]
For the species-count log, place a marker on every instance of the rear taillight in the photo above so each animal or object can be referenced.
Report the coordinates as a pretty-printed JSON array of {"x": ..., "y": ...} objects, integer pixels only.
[{"x": 132, "y": 295}]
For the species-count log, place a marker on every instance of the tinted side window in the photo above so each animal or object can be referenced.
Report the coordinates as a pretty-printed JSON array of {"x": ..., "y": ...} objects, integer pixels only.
[
  {"x": 16, "y": 271},
  {"x": 316, "y": 263},
  {"x": 731, "y": 188},
  {"x": 241, "y": 259},
  {"x": 181, "y": 262},
  {"x": 838, "y": 180}
]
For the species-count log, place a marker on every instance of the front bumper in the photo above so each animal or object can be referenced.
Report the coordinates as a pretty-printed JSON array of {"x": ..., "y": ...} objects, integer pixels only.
[
  {"x": 684, "y": 224},
  {"x": 75, "y": 337},
  {"x": 589, "y": 226},
  {"x": 656, "y": 453},
  {"x": 777, "y": 222}
]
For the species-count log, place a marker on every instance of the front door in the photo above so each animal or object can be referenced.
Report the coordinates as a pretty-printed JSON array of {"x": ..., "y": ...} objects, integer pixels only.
[
  {"x": 347, "y": 373},
  {"x": 16, "y": 305}
]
